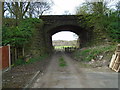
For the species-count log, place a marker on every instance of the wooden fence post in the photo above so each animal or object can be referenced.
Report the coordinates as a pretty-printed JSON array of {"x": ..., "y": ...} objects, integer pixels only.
[
  {"x": 23, "y": 52},
  {"x": 9, "y": 56}
]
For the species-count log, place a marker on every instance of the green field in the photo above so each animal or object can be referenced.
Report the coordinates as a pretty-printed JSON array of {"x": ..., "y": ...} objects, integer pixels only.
[{"x": 61, "y": 47}]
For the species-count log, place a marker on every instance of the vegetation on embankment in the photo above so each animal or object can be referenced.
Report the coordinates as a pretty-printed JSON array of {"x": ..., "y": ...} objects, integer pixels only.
[
  {"x": 23, "y": 39},
  {"x": 95, "y": 56},
  {"x": 102, "y": 20}
]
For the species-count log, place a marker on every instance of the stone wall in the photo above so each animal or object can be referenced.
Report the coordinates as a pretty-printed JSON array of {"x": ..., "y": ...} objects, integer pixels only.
[{"x": 39, "y": 44}]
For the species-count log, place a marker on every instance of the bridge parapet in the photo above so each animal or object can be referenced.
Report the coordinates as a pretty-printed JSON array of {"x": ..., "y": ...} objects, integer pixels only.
[
  {"x": 49, "y": 19},
  {"x": 60, "y": 17},
  {"x": 53, "y": 21}
]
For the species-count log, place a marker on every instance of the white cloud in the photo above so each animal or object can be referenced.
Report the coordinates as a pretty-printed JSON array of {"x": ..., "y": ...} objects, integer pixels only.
[{"x": 65, "y": 5}]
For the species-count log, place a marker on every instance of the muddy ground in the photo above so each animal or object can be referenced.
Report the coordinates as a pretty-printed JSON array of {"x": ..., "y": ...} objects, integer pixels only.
[{"x": 20, "y": 76}]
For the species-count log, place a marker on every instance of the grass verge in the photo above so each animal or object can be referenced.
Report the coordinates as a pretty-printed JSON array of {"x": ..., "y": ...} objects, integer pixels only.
[{"x": 21, "y": 61}]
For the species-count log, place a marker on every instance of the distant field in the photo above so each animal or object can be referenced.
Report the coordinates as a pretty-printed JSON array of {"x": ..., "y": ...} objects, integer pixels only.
[{"x": 61, "y": 47}]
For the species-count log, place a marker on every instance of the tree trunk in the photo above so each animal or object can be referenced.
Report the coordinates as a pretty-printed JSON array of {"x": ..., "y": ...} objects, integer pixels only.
[{"x": 2, "y": 9}]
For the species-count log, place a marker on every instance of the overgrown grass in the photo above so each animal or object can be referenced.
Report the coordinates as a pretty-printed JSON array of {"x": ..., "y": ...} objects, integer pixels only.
[
  {"x": 21, "y": 61},
  {"x": 62, "y": 62},
  {"x": 87, "y": 54},
  {"x": 32, "y": 60}
]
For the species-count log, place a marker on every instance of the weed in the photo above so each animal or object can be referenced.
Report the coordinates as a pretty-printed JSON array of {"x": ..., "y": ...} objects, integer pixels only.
[
  {"x": 62, "y": 62},
  {"x": 20, "y": 61}
]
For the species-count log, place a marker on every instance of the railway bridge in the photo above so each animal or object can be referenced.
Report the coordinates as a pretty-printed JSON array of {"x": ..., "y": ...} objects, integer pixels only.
[{"x": 56, "y": 23}]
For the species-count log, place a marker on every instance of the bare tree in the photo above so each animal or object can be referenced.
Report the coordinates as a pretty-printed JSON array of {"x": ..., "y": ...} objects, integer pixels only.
[
  {"x": 118, "y": 8},
  {"x": 66, "y": 12},
  {"x": 18, "y": 9},
  {"x": 38, "y": 8}
]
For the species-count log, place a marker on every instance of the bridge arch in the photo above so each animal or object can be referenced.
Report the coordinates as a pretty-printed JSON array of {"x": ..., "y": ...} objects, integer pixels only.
[
  {"x": 72, "y": 28},
  {"x": 57, "y": 23}
]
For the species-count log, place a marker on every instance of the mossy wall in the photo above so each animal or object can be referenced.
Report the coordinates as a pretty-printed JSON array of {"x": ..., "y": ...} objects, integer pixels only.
[{"x": 39, "y": 42}]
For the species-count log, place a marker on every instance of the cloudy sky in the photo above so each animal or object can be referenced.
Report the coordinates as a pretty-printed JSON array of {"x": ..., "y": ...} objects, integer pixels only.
[{"x": 59, "y": 8}]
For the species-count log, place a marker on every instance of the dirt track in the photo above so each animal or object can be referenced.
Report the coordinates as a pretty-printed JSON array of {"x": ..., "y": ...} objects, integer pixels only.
[{"x": 72, "y": 76}]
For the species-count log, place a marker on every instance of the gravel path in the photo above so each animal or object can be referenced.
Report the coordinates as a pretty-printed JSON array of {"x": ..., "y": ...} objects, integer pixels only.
[{"x": 72, "y": 76}]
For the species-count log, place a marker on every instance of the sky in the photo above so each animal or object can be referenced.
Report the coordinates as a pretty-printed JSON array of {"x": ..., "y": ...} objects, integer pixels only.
[
  {"x": 59, "y": 8},
  {"x": 64, "y": 35}
]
